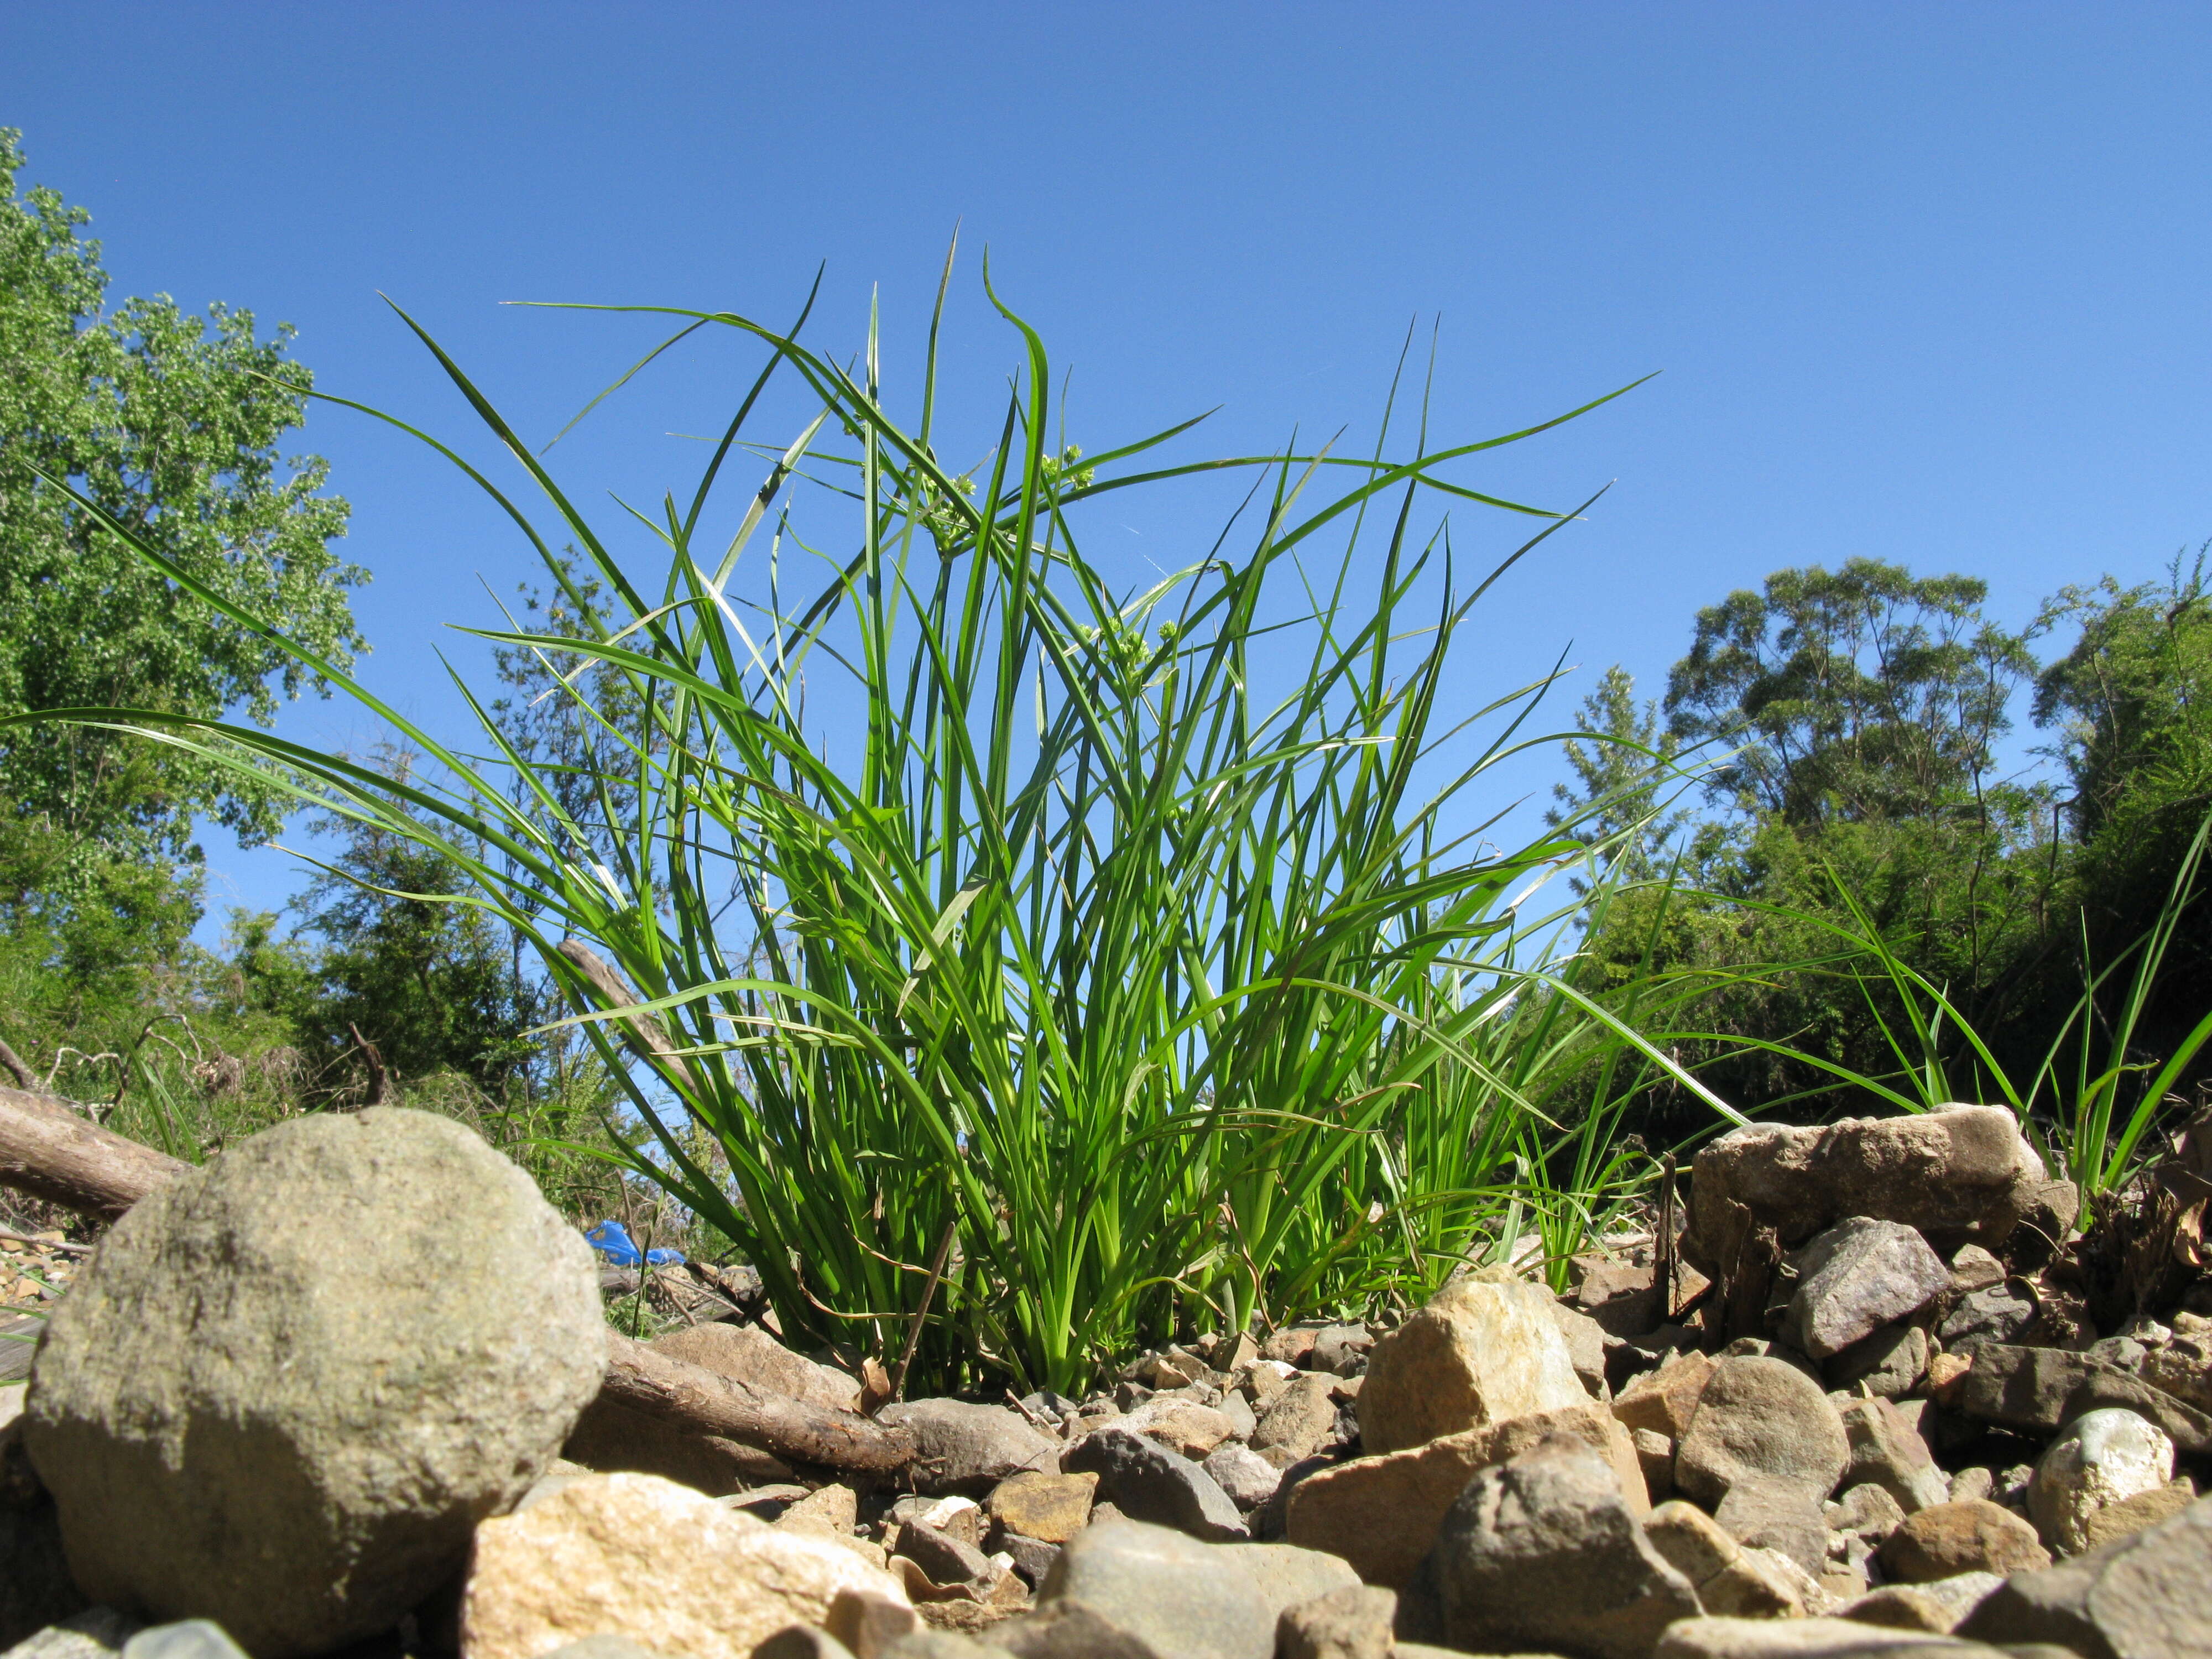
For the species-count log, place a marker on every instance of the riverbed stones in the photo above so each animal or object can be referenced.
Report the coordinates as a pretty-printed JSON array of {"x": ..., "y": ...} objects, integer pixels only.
[
  {"x": 1543, "y": 1551},
  {"x": 1483, "y": 1349},
  {"x": 1761, "y": 1417},
  {"x": 1861, "y": 1274},
  {"x": 1382, "y": 1514},
  {"x": 635, "y": 1556},
  {"x": 2104, "y": 1457},
  {"x": 2139, "y": 1598},
  {"x": 291, "y": 1382}
]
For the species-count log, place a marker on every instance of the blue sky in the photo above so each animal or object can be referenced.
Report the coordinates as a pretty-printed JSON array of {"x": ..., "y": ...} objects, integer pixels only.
[{"x": 1924, "y": 282}]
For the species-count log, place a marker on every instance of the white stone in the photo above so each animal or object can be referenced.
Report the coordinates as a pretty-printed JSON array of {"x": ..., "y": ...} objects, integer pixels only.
[{"x": 2103, "y": 1458}]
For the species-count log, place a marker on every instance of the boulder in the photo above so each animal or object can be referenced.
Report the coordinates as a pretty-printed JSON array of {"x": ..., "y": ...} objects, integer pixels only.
[
  {"x": 749, "y": 1354},
  {"x": 2139, "y": 1598},
  {"x": 1948, "y": 1539},
  {"x": 638, "y": 1556},
  {"x": 1136, "y": 1591},
  {"x": 1051, "y": 1507},
  {"x": 1382, "y": 1514},
  {"x": 1859, "y": 1275},
  {"x": 1147, "y": 1482},
  {"x": 1482, "y": 1350},
  {"x": 1959, "y": 1174},
  {"x": 1761, "y": 1417},
  {"x": 291, "y": 1383},
  {"x": 1543, "y": 1551},
  {"x": 969, "y": 1449},
  {"x": 2105, "y": 1458}
]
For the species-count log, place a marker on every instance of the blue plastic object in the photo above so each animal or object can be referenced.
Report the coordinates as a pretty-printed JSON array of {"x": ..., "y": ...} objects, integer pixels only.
[{"x": 613, "y": 1242}]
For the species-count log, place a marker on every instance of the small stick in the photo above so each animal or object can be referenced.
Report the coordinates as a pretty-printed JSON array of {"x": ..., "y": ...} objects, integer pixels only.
[
  {"x": 921, "y": 1309},
  {"x": 47, "y": 1243},
  {"x": 1663, "y": 1255}
]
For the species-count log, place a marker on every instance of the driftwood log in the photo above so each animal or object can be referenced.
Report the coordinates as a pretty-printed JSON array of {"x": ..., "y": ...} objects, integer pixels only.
[{"x": 51, "y": 1152}]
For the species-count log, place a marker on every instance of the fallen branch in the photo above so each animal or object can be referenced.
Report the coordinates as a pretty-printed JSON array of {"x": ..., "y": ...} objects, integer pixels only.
[
  {"x": 707, "y": 1402},
  {"x": 48, "y": 1151},
  {"x": 647, "y": 1037}
]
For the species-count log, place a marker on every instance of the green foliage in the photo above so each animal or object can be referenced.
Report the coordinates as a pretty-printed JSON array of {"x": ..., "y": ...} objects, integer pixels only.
[
  {"x": 169, "y": 423},
  {"x": 1628, "y": 779},
  {"x": 1098, "y": 946}
]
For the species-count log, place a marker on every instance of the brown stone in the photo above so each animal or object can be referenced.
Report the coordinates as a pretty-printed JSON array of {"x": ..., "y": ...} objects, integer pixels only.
[
  {"x": 1301, "y": 1418},
  {"x": 749, "y": 1354},
  {"x": 1483, "y": 1351},
  {"x": 1382, "y": 1514},
  {"x": 2131, "y": 1515},
  {"x": 1948, "y": 1538},
  {"x": 1053, "y": 1508},
  {"x": 1664, "y": 1401}
]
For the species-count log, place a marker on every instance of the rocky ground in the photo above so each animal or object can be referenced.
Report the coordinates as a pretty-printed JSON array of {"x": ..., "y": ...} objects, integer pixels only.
[{"x": 342, "y": 1391}]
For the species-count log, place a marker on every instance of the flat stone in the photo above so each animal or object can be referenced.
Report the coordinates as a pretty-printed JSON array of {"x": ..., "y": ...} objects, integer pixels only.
[
  {"x": 1761, "y": 1417},
  {"x": 749, "y": 1354},
  {"x": 1948, "y": 1539},
  {"x": 1480, "y": 1351},
  {"x": 1147, "y": 1482},
  {"x": 1051, "y": 1507},
  {"x": 635, "y": 1556},
  {"x": 1889, "y": 1364},
  {"x": 280, "y": 1397},
  {"x": 1889, "y": 1451},
  {"x": 969, "y": 1449},
  {"x": 1959, "y": 1174},
  {"x": 2139, "y": 1598},
  {"x": 1137, "y": 1591},
  {"x": 1543, "y": 1551},
  {"x": 1248, "y": 1479},
  {"x": 1859, "y": 1275},
  {"x": 1382, "y": 1514},
  {"x": 2105, "y": 1458}
]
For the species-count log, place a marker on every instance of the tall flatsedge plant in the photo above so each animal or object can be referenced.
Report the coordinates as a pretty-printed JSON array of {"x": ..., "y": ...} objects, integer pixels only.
[{"x": 1083, "y": 961}]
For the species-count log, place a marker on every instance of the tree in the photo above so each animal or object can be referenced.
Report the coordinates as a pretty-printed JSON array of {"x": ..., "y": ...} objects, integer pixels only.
[
  {"x": 170, "y": 422},
  {"x": 1863, "y": 695},
  {"x": 1623, "y": 765}
]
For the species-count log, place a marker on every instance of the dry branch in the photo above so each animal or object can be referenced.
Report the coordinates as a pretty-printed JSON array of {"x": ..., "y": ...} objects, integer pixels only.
[
  {"x": 648, "y": 1036},
  {"x": 50, "y": 1152}
]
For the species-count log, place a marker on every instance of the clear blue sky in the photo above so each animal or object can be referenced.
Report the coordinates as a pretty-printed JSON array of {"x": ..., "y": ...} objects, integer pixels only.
[{"x": 1925, "y": 282}]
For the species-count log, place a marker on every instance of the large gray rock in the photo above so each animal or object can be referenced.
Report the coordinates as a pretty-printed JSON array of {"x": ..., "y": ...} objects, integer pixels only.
[
  {"x": 1761, "y": 1417},
  {"x": 1136, "y": 1591},
  {"x": 1147, "y": 1482},
  {"x": 1959, "y": 1174},
  {"x": 1542, "y": 1552},
  {"x": 291, "y": 1383},
  {"x": 2141, "y": 1598},
  {"x": 1856, "y": 1277},
  {"x": 967, "y": 1449}
]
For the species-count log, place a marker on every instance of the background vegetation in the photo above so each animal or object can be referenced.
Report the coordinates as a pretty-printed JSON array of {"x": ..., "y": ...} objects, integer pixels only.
[{"x": 1075, "y": 964}]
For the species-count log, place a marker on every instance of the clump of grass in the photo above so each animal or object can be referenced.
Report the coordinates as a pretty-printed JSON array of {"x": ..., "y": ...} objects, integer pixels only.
[{"x": 1072, "y": 961}]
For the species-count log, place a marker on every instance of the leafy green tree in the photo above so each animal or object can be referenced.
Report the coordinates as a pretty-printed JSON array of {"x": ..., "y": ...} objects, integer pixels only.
[
  {"x": 170, "y": 422},
  {"x": 1862, "y": 694}
]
